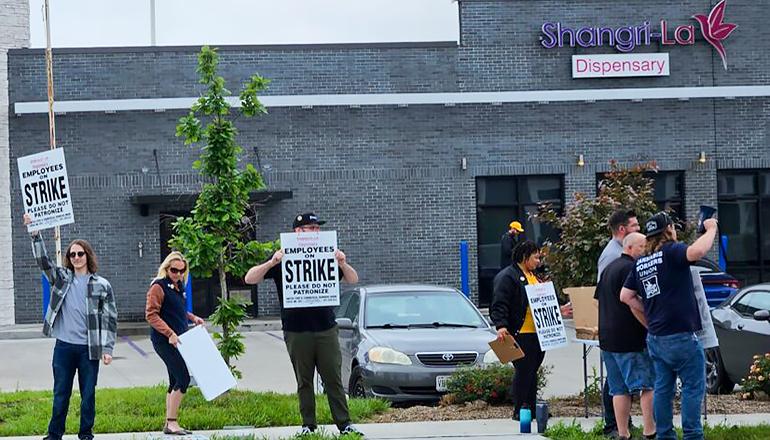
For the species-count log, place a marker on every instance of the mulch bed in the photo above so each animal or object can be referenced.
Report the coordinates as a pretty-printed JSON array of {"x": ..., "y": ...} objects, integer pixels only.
[{"x": 561, "y": 407}]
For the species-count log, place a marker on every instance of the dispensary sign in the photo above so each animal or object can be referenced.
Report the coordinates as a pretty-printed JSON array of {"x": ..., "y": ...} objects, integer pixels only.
[{"x": 627, "y": 38}]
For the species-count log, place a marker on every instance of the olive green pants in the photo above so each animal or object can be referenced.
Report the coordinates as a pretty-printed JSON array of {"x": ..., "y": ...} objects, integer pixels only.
[{"x": 310, "y": 351}]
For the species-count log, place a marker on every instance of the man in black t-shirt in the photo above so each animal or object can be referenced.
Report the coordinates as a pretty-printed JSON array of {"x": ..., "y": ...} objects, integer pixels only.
[
  {"x": 311, "y": 335},
  {"x": 660, "y": 286},
  {"x": 622, "y": 340}
]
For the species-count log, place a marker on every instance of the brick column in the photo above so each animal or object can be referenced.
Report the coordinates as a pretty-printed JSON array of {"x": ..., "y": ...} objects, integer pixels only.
[{"x": 14, "y": 33}]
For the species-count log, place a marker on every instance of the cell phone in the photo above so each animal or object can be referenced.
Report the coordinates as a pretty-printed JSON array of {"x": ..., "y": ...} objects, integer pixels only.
[{"x": 706, "y": 212}]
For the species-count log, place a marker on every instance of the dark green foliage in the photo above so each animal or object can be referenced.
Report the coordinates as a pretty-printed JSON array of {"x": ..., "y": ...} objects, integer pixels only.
[
  {"x": 217, "y": 238},
  {"x": 491, "y": 383},
  {"x": 584, "y": 232}
]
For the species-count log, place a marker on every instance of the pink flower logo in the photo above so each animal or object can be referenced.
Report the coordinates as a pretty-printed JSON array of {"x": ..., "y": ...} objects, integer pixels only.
[{"x": 714, "y": 29}]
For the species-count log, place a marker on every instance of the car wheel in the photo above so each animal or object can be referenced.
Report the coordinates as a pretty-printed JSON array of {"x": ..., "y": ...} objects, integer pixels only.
[
  {"x": 717, "y": 381},
  {"x": 356, "y": 387}
]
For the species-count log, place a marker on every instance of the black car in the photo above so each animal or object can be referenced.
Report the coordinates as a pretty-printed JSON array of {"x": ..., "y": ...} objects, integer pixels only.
[{"x": 743, "y": 330}]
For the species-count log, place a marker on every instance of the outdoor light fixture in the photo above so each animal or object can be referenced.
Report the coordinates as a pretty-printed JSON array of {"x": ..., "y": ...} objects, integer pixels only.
[
  {"x": 702, "y": 157},
  {"x": 464, "y": 163},
  {"x": 581, "y": 161}
]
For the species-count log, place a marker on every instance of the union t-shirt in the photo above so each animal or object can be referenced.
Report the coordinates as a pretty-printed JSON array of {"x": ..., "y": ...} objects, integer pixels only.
[
  {"x": 664, "y": 282},
  {"x": 306, "y": 319}
]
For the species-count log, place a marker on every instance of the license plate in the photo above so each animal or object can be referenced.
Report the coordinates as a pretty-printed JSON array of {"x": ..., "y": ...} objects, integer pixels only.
[{"x": 441, "y": 383}]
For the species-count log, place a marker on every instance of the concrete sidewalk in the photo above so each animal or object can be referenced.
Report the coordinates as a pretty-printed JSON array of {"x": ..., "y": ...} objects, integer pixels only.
[{"x": 492, "y": 429}]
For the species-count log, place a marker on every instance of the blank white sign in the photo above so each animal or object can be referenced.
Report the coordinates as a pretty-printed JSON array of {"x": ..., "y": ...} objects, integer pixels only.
[{"x": 205, "y": 363}]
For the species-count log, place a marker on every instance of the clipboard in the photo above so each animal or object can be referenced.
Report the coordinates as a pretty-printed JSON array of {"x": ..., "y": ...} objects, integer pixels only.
[{"x": 507, "y": 350}]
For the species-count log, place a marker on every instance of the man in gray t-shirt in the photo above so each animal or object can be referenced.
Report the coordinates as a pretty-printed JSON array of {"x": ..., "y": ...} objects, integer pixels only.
[
  {"x": 69, "y": 328},
  {"x": 622, "y": 222}
]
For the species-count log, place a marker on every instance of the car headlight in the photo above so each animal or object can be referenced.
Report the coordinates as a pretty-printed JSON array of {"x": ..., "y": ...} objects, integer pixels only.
[
  {"x": 490, "y": 358},
  {"x": 385, "y": 355}
]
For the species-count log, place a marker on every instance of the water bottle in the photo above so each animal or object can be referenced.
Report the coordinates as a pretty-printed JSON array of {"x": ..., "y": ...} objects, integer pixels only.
[
  {"x": 525, "y": 420},
  {"x": 541, "y": 415}
]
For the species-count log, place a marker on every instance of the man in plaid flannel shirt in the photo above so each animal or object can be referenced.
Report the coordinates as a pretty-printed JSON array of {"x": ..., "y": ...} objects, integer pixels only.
[{"x": 82, "y": 316}]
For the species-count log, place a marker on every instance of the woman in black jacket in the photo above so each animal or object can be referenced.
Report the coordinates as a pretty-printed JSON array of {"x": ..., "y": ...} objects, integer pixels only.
[{"x": 511, "y": 314}]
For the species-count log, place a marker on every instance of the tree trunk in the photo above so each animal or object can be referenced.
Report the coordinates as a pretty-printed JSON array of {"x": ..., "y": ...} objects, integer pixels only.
[{"x": 225, "y": 297}]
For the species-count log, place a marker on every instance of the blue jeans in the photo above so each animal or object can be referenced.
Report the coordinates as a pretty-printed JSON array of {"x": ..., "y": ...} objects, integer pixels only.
[
  {"x": 67, "y": 358},
  {"x": 680, "y": 354},
  {"x": 629, "y": 373}
]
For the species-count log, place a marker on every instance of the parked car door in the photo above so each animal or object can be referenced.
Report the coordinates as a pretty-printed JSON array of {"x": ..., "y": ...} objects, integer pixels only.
[
  {"x": 349, "y": 337},
  {"x": 741, "y": 336}
]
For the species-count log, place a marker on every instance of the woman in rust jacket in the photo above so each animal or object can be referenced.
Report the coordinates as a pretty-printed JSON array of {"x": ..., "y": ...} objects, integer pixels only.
[{"x": 166, "y": 312}]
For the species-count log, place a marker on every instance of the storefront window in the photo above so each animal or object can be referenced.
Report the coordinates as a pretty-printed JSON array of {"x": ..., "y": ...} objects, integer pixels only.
[
  {"x": 667, "y": 190},
  {"x": 499, "y": 200},
  {"x": 744, "y": 205}
]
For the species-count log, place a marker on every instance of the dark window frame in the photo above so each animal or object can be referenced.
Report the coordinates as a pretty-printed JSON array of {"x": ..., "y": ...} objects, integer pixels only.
[
  {"x": 762, "y": 268},
  {"x": 520, "y": 213},
  {"x": 660, "y": 202}
]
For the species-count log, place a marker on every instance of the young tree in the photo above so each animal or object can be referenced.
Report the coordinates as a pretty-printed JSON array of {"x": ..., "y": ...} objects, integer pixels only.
[
  {"x": 217, "y": 236},
  {"x": 572, "y": 260}
]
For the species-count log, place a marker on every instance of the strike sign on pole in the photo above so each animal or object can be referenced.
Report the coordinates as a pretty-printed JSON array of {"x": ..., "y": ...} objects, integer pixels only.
[
  {"x": 45, "y": 189},
  {"x": 310, "y": 271},
  {"x": 547, "y": 316}
]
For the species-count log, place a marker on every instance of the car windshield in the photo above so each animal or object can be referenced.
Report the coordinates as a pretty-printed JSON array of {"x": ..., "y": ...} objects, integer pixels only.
[{"x": 420, "y": 309}]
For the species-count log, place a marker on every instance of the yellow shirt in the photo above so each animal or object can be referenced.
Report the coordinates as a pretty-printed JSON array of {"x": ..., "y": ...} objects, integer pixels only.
[{"x": 529, "y": 324}]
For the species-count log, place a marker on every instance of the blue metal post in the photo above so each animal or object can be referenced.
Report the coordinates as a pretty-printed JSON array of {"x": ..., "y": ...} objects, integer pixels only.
[
  {"x": 46, "y": 294},
  {"x": 464, "y": 280},
  {"x": 723, "y": 253},
  {"x": 188, "y": 292}
]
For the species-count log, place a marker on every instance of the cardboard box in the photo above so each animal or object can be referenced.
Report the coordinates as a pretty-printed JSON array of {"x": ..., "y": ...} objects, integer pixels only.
[
  {"x": 507, "y": 350},
  {"x": 585, "y": 311}
]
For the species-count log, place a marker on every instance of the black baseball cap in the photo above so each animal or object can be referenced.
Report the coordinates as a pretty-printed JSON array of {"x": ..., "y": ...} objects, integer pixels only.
[
  {"x": 307, "y": 218},
  {"x": 657, "y": 224}
]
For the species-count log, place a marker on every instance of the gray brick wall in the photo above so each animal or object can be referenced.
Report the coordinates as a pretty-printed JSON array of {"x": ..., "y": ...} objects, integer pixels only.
[
  {"x": 388, "y": 179},
  {"x": 170, "y": 72},
  {"x": 500, "y": 46}
]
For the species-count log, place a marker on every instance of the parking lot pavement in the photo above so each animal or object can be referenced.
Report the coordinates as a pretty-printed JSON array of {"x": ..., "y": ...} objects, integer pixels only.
[
  {"x": 26, "y": 364},
  {"x": 265, "y": 365},
  {"x": 566, "y": 378}
]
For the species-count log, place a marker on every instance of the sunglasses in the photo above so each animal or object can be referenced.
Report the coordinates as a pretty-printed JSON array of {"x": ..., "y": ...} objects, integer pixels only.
[
  {"x": 174, "y": 270},
  {"x": 77, "y": 254}
]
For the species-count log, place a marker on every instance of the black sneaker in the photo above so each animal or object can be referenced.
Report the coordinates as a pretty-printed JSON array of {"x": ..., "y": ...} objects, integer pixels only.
[
  {"x": 306, "y": 430},
  {"x": 350, "y": 429}
]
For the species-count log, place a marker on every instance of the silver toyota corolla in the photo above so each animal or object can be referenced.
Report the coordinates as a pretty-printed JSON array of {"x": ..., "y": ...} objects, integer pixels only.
[{"x": 401, "y": 342}]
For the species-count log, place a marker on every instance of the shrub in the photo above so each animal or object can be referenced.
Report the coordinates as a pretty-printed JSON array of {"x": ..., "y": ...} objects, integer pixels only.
[
  {"x": 756, "y": 385},
  {"x": 594, "y": 389},
  {"x": 491, "y": 383},
  {"x": 572, "y": 260}
]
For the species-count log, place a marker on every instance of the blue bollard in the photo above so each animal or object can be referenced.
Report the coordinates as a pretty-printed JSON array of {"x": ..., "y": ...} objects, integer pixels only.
[{"x": 464, "y": 278}]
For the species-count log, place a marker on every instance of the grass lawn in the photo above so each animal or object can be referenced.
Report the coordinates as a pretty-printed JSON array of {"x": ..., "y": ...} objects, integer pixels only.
[
  {"x": 718, "y": 432},
  {"x": 143, "y": 409}
]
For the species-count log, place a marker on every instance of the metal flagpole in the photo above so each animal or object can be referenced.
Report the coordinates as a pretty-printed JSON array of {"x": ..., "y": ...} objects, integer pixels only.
[
  {"x": 51, "y": 118},
  {"x": 152, "y": 22}
]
